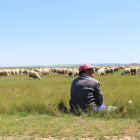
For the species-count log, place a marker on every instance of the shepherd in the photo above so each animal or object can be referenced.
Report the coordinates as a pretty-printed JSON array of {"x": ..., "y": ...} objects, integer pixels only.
[{"x": 85, "y": 90}]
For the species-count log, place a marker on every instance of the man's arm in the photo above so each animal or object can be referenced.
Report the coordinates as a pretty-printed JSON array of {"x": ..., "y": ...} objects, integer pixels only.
[{"x": 98, "y": 95}]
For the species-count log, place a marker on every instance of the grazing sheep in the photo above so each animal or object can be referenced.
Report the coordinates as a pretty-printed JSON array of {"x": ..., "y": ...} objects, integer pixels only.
[
  {"x": 38, "y": 71},
  {"x": 34, "y": 74},
  {"x": 116, "y": 69},
  {"x": 60, "y": 71},
  {"x": 6, "y": 70},
  {"x": 26, "y": 71},
  {"x": 56, "y": 69},
  {"x": 72, "y": 72},
  {"x": 4, "y": 73},
  {"x": 21, "y": 71},
  {"x": 46, "y": 71},
  {"x": 12, "y": 71},
  {"x": 17, "y": 71},
  {"x": 137, "y": 69},
  {"x": 101, "y": 72},
  {"x": 65, "y": 70},
  {"x": 52, "y": 69},
  {"x": 131, "y": 70},
  {"x": 126, "y": 71},
  {"x": 75, "y": 72},
  {"x": 121, "y": 67},
  {"x": 107, "y": 71},
  {"x": 134, "y": 71},
  {"x": 69, "y": 73},
  {"x": 97, "y": 68},
  {"x": 111, "y": 70}
]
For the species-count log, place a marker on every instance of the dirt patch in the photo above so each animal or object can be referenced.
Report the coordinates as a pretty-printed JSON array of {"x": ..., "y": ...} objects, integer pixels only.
[{"x": 123, "y": 137}]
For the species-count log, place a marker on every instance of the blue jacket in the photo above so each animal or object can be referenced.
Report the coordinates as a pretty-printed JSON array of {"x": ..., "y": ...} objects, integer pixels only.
[{"x": 85, "y": 91}]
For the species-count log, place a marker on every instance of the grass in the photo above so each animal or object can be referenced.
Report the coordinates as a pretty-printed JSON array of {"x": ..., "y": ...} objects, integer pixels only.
[
  {"x": 67, "y": 126},
  {"x": 64, "y": 126},
  {"x": 40, "y": 108}
]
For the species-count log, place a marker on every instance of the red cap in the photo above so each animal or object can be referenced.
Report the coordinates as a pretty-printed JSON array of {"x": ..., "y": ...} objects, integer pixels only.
[{"x": 85, "y": 66}]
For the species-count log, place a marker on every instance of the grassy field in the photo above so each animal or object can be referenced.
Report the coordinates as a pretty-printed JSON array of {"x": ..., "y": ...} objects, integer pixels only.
[{"x": 32, "y": 107}]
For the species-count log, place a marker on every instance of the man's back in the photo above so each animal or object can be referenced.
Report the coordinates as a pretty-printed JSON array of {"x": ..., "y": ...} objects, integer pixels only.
[{"x": 85, "y": 91}]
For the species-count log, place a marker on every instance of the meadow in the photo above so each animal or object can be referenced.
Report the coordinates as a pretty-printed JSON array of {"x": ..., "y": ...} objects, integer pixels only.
[{"x": 41, "y": 107}]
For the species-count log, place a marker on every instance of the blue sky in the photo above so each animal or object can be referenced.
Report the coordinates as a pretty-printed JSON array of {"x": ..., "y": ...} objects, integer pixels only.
[{"x": 51, "y": 32}]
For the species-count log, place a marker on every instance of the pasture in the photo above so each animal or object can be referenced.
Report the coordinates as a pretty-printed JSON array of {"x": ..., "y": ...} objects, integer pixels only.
[{"x": 47, "y": 100}]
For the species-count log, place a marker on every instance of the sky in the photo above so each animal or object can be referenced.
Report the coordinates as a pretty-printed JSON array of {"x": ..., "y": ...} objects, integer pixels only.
[{"x": 53, "y": 32}]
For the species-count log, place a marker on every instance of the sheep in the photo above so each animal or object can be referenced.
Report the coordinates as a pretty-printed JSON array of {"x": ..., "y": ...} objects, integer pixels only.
[
  {"x": 56, "y": 69},
  {"x": 4, "y": 73},
  {"x": 111, "y": 70},
  {"x": 107, "y": 71},
  {"x": 38, "y": 71},
  {"x": 101, "y": 72},
  {"x": 126, "y": 71},
  {"x": 6, "y": 70},
  {"x": 26, "y": 71},
  {"x": 131, "y": 70},
  {"x": 69, "y": 73},
  {"x": 17, "y": 71},
  {"x": 121, "y": 67},
  {"x": 60, "y": 71},
  {"x": 65, "y": 70},
  {"x": 72, "y": 72},
  {"x": 46, "y": 71},
  {"x": 12, "y": 71},
  {"x": 21, "y": 71},
  {"x": 134, "y": 71},
  {"x": 116, "y": 69},
  {"x": 137, "y": 69},
  {"x": 97, "y": 68},
  {"x": 75, "y": 72},
  {"x": 34, "y": 74},
  {"x": 52, "y": 69}
]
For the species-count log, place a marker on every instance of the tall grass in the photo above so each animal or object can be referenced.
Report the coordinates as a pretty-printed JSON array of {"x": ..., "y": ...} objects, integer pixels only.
[{"x": 51, "y": 93}]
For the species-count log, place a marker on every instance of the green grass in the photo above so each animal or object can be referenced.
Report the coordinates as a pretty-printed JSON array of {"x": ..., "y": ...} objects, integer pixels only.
[
  {"x": 31, "y": 107},
  {"x": 68, "y": 126},
  {"x": 19, "y": 94}
]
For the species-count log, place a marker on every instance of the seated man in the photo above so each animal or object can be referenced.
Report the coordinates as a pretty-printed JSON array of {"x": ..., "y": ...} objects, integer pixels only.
[{"x": 85, "y": 90}]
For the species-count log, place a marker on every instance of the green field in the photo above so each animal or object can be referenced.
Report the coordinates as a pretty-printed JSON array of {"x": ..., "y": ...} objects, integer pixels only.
[{"x": 37, "y": 107}]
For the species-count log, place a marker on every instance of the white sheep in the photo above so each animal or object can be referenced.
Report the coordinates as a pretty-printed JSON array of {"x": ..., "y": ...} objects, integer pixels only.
[
  {"x": 17, "y": 71},
  {"x": 101, "y": 72},
  {"x": 12, "y": 71},
  {"x": 69, "y": 73},
  {"x": 26, "y": 71},
  {"x": 46, "y": 71},
  {"x": 128, "y": 71},
  {"x": 52, "y": 69},
  {"x": 65, "y": 70},
  {"x": 21, "y": 71},
  {"x": 34, "y": 74},
  {"x": 38, "y": 71},
  {"x": 60, "y": 71},
  {"x": 72, "y": 72}
]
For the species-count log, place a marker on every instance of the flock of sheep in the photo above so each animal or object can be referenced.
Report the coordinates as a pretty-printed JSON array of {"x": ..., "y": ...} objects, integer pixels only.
[
  {"x": 127, "y": 70},
  {"x": 35, "y": 73}
]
